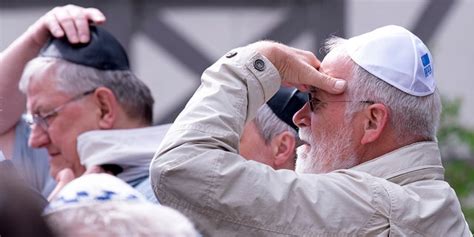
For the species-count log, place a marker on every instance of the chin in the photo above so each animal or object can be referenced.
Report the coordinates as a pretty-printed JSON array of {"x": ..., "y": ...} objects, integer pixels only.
[
  {"x": 304, "y": 161},
  {"x": 331, "y": 151}
]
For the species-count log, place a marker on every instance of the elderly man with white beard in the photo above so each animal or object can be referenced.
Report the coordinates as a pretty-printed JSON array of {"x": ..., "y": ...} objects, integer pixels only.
[{"x": 370, "y": 166}]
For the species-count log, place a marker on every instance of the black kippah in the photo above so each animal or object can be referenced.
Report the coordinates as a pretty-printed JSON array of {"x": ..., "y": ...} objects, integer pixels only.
[
  {"x": 103, "y": 51},
  {"x": 286, "y": 102}
]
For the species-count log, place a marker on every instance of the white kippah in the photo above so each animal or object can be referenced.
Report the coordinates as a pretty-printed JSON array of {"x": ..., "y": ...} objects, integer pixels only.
[
  {"x": 396, "y": 56},
  {"x": 93, "y": 188}
]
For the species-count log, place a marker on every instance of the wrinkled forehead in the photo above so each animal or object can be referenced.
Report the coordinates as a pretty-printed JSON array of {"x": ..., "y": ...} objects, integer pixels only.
[
  {"x": 337, "y": 63},
  {"x": 317, "y": 93}
]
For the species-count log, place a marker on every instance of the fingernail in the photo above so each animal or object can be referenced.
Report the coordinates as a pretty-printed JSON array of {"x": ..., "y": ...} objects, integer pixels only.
[
  {"x": 340, "y": 84},
  {"x": 74, "y": 39},
  {"x": 84, "y": 38}
]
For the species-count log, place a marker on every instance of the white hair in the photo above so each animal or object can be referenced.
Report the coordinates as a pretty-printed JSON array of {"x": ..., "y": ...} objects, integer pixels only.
[
  {"x": 410, "y": 116},
  {"x": 117, "y": 218},
  {"x": 134, "y": 96},
  {"x": 269, "y": 125}
]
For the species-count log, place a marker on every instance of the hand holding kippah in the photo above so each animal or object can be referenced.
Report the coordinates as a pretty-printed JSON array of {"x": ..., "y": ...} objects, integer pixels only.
[{"x": 70, "y": 21}]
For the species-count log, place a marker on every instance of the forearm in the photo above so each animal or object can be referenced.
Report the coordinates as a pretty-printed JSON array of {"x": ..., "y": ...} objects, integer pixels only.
[
  {"x": 12, "y": 62},
  {"x": 229, "y": 95}
]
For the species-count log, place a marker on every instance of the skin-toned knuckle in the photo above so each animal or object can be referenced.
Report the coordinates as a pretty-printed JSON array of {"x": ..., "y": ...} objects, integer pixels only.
[
  {"x": 308, "y": 54},
  {"x": 90, "y": 11},
  {"x": 80, "y": 22},
  {"x": 71, "y": 6},
  {"x": 284, "y": 69},
  {"x": 63, "y": 16},
  {"x": 55, "y": 9},
  {"x": 49, "y": 21},
  {"x": 314, "y": 61},
  {"x": 74, "y": 12},
  {"x": 305, "y": 72}
]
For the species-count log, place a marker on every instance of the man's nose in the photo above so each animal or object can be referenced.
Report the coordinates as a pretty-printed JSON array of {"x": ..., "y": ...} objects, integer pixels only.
[
  {"x": 38, "y": 137},
  {"x": 302, "y": 117}
]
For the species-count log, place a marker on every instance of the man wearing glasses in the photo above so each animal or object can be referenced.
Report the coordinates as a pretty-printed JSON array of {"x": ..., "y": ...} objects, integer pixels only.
[
  {"x": 370, "y": 165},
  {"x": 79, "y": 82}
]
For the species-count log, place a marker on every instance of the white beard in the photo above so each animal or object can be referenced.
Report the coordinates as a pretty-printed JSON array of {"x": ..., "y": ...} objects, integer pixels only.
[{"x": 333, "y": 151}]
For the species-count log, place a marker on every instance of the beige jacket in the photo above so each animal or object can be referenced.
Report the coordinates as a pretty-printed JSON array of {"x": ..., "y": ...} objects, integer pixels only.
[{"x": 198, "y": 171}]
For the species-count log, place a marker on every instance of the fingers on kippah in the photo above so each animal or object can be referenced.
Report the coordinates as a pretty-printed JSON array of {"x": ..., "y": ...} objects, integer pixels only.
[
  {"x": 53, "y": 25},
  {"x": 67, "y": 24}
]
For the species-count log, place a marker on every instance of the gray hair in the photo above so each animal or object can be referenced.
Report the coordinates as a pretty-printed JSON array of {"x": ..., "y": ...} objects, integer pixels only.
[
  {"x": 410, "y": 116},
  {"x": 116, "y": 218},
  {"x": 269, "y": 125},
  {"x": 134, "y": 96}
]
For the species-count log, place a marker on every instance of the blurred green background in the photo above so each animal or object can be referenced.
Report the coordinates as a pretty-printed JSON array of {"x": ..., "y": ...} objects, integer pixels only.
[{"x": 457, "y": 149}]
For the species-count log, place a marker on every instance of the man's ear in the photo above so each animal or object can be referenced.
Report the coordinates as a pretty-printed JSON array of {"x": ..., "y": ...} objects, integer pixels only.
[
  {"x": 283, "y": 148},
  {"x": 108, "y": 107},
  {"x": 375, "y": 121}
]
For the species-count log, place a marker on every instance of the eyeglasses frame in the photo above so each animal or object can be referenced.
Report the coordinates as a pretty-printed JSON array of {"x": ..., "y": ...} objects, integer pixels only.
[
  {"x": 42, "y": 120},
  {"x": 314, "y": 107}
]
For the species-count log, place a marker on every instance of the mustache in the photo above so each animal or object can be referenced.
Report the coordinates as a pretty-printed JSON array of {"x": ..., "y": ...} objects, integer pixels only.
[{"x": 305, "y": 135}]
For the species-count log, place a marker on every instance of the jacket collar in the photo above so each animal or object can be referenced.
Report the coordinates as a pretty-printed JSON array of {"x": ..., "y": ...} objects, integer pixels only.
[
  {"x": 130, "y": 149},
  {"x": 407, "y": 164}
]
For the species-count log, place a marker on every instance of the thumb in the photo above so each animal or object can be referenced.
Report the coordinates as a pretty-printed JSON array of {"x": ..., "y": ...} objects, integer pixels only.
[{"x": 65, "y": 176}]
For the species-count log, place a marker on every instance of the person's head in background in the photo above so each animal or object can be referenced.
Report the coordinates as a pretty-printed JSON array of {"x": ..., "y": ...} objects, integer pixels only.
[
  {"x": 72, "y": 89},
  {"x": 103, "y": 205},
  {"x": 271, "y": 137},
  {"x": 20, "y": 205}
]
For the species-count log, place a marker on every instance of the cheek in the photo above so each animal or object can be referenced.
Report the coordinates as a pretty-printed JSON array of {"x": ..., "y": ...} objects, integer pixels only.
[
  {"x": 64, "y": 138},
  {"x": 65, "y": 130},
  {"x": 328, "y": 121}
]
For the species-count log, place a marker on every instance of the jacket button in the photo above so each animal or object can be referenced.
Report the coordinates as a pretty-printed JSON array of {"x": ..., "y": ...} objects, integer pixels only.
[
  {"x": 259, "y": 65},
  {"x": 231, "y": 54}
]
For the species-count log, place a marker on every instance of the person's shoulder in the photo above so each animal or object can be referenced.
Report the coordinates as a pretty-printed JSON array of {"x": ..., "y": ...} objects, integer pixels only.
[{"x": 10, "y": 177}]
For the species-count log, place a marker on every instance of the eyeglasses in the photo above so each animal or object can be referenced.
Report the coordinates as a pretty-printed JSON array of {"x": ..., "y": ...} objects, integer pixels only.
[
  {"x": 315, "y": 103},
  {"x": 42, "y": 120}
]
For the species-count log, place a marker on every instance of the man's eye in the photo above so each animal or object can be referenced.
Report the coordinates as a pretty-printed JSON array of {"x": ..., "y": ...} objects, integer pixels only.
[{"x": 316, "y": 103}]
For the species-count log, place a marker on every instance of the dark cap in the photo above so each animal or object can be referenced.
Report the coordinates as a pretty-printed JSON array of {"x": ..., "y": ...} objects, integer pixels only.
[
  {"x": 103, "y": 51},
  {"x": 286, "y": 102}
]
